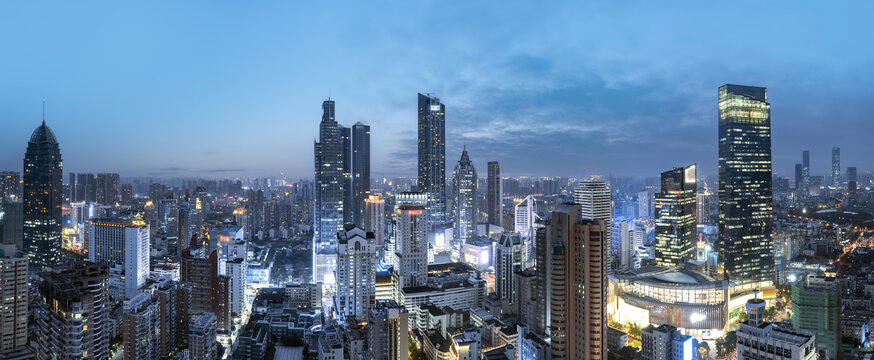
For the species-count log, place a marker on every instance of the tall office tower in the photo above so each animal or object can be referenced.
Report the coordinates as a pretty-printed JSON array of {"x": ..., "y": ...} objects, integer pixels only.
[
  {"x": 348, "y": 192},
  {"x": 141, "y": 328},
  {"x": 494, "y": 203},
  {"x": 799, "y": 177},
  {"x": 12, "y": 223},
  {"x": 360, "y": 171},
  {"x": 757, "y": 339},
  {"x": 374, "y": 220},
  {"x": 508, "y": 260},
  {"x": 645, "y": 206},
  {"x": 107, "y": 188},
  {"x": 201, "y": 337},
  {"x": 852, "y": 183},
  {"x": 627, "y": 248},
  {"x": 388, "y": 326},
  {"x": 676, "y": 223},
  {"x": 14, "y": 295},
  {"x": 329, "y": 186},
  {"x": 464, "y": 183},
  {"x": 805, "y": 169},
  {"x": 204, "y": 290},
  {"x": 124, "y": 244},
  {"x": 9, "y": 185},
  {"x": 43, "y": 181},
  {"x": 432, "y": 157},
  {"x": 596, "y": 203},
  {"x": 578, "y": 284},
  {"x": 836, "y": 167},
  {"x": 356, "y": 274},
  {"x": 745, "y": 204},
  {"x": 526, "y": 216},
  {"x": 72, "y": 316},
  {"x": 411, "y": 253},
  {"x": 665, "y": 342},
  {"x": 703, "y": 205},
  {"x": 127, "y": 194},
  {"x": 816, "y": 309}
]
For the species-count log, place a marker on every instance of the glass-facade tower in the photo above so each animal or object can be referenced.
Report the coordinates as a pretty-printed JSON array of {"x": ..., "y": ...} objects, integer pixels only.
[
  {"x": 464, "y": 185},
  {"x": 43, "y": 180},
  {"x": 676, "y": 221},
  {"x": 432, "y": 157},
  {"x": 745, "y": 195},
  {"x": 329, "y": 194}
]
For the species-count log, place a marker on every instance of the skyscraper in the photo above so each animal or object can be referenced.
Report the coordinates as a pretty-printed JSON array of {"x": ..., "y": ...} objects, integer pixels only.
[
  {"x": 495, "y": 206},
  {"x": 411, "y": 252},
  {"x": 374, "y": 220},
  {"x": 745, "y": 204},
  {"x": 464, "y": 182},
  {"x": 72, "y": 314},
  {"x": 122, "y": 243},
  {"x": 525, "y": 215},
  {"x": 805, "y": 169},
  {"x": 329, "y": 186},
  {"x": 508, "y": 260},
  {"x": 799, "y": 178},
  {"x": 596, "y": 203},
  {"x": 432, "y": 157},
  {"x": 107, "y": 189},
  {"x": 360, "y": 156},
  {"x": 14, "y": 295},
  {"x": 43, "y": 181},
  {"x": 816, "y": 309},
  {"x": 851, "y": 179},
  {"x": 676, "y": 223},
  {"x": 9, "y": 185},
  {"x": 127, "y": 194},
  {"x": 388, "y": 327},
  {"x": 836, "y": 167},
  {"x": 578, "y": 285},
  {"x": 141, "y": 332},
  {"x": 356, "y": 274}
]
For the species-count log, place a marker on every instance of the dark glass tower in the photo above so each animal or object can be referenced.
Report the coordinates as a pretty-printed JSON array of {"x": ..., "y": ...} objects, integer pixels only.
[
  {"x": 330, "y": 183},
  {"x": 360, "y": 170},
  {"x": 745, "y": 195},
  {"x": 676, "y": 221},
  {"x": 495, "y": 207},
  {"x": 432, "y": 157},
  {"x": 43, "y": 180}
]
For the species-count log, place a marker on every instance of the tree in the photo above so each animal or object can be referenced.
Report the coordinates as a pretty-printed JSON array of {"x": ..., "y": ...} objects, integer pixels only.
[
  {"x": 770, "y": 313},
  {"x": 743, "y": 316},
  {"x": 415, "y": 352}
]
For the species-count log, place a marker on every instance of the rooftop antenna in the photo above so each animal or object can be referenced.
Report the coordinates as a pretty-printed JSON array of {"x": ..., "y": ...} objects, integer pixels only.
[
  {"x": 329, "y": 94},
  {"x": 43, "y": 112}
]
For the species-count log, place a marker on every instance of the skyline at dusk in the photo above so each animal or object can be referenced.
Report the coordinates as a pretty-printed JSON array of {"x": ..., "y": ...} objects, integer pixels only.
[{"x": 143, "y": 91}]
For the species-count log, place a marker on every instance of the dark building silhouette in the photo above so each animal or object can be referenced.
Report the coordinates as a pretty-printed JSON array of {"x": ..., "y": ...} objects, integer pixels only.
[
  {"x": 432, "y": 157},
  {"x": 494, "y": 205},
  {"x": 43, "y": 182},
  {"x": 745, "y": 194}
]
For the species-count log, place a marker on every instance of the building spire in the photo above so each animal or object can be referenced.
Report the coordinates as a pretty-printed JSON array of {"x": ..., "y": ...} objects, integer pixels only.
[{"x": 43, "y": 112}]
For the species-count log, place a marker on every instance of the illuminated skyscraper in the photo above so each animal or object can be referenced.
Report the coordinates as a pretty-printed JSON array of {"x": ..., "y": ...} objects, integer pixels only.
[
  {"x": 836, "y": 167},
  {"x": 508, "y": 260},
  {"x": 495, "y": 206},
  {"x": 805, "y": 170},
  {"x": 676, "y": 223},
  {"x": 432, "y": 157},
  {"x": 745, "y": 197},
  {"x": 411, "y": 254},
  {"x": 329, "y": 186},
  {"x": 43, "y": 180},
  {"x": 464, "y": 190}
]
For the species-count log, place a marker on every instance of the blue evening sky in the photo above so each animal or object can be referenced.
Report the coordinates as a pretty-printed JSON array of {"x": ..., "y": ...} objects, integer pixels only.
[{"x": 234, "y": 88}]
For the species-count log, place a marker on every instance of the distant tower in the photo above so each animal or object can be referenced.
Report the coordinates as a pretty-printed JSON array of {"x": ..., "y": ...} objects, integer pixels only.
[
  {"x": 432, "y": 157},
  {"x": 525, "y": 215},
  {"x": 495, "y": 195},
  {"x": 464, "y": 185},
  {"x": 43, "y": 181},
  {"x": 805, "y": 172},
  {"x": 9, "y": 185},
  {"x": 508, "y": 260},
  {"x": 836, "y": 167},
  {"x": 745, "y": 243},
  {"x": 410, "y": 237},
  {"x": 676, "y": 223},
  {"x": 360, "y": 156},
  {"x": 329, "y": 195}
]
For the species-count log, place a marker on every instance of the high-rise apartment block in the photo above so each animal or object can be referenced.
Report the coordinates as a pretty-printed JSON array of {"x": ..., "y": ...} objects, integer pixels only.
[
  {"x": 14, "y": 300},
  {"x": 411, "y": 253},
  {"x": 356, "y": 274},
  {"x": 124, "y": 244},
  {"x": 388, "y": 326}
]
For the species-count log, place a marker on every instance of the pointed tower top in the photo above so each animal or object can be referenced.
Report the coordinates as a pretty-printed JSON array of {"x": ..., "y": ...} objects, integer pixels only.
[{"x": 43, "y": 112}]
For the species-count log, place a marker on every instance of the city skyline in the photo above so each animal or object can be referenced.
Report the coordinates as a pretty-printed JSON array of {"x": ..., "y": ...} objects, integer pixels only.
[{"x": 602, "y": 102}]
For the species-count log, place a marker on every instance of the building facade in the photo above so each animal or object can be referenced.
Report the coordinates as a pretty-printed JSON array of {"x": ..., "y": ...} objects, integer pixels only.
[
  {"x": 14, "y": 299},
  {"x": 676, "y": 219},
  {"x": 42, "y": 183},
  {"x": 464, "y": 187},
  {"x": 123, "y": 243},
  {"x": 432, "y": 157},
  {"x": 411, "y": 254},
  {"x": 330, "y": 185},
  {"x": 494, "y": 199},
  {"x": 356, "y": 274}
]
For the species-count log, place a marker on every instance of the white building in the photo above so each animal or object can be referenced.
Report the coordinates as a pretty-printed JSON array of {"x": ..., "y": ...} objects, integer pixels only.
[
  {"x": 235, "y": 270},
  {"x": 759, "y": 340},
  {"x": 596, "y": 203},
  {"x": 122, "y": 243},
  {"x": 356, "y": 273},
  {"x": 526, "y": 216}
]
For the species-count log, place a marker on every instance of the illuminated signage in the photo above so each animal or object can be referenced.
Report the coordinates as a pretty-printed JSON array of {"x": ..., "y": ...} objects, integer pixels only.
[{"x": 435, "y": 107}]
